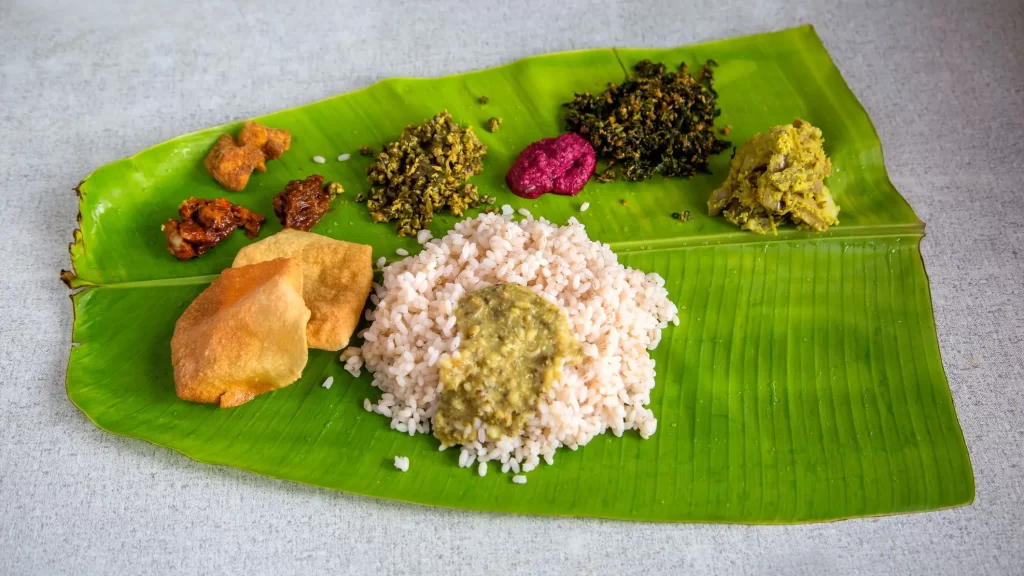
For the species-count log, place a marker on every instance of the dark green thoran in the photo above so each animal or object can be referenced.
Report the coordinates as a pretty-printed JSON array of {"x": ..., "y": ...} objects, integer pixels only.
[
  {"x": 656, "y": 122},
  {"x": 366, "y": 151},
  {"x": 493, "y": 124},
  {"x": 423, "y": 172}
]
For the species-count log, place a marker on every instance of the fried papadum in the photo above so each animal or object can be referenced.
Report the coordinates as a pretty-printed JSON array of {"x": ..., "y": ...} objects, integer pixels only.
[
  {"x": 336, "y": 280},
  {"x": 243, "y": 336}
]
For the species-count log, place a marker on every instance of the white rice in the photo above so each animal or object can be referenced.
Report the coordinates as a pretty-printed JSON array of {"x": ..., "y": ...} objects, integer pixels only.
[
  {"x": 423, "y": 236},
  {"x": 584, "y": 207},
  {"x": 402, "y": 463},
  {"x": 616, "y": 313},
  {"x": 482, "y": 469},
  {"x": 519, "y": 479},
  {"x": 328, "y": 383},
  {"x": 402, "y": 252},
  {"x": 344, "y": 157},
  {"x": 319, "y": 159},
  {"x": 354, "y": 365}
]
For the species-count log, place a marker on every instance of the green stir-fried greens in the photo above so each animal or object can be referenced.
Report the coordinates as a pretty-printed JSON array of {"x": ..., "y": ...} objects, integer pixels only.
[
  {"x": 657, "y": 122},
  {"x": 424, "y": 171}
]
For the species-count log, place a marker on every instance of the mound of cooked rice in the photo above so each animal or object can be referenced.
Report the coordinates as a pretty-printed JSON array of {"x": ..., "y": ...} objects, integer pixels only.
[{"x": 617, "y": 313}]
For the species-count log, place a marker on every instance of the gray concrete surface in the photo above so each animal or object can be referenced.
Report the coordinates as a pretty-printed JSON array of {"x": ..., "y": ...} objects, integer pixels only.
[{"x": 85, "y": 83}]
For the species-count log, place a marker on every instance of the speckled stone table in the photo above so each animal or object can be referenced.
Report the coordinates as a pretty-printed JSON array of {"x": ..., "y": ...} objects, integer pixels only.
[{"x": 85, "y": 83}]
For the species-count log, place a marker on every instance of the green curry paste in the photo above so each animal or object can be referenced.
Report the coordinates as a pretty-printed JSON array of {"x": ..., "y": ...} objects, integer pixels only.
[{"x": 514, "y": 344}]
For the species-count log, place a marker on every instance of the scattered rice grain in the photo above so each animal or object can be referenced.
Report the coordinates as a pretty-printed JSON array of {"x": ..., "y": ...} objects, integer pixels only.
[
  {"x": 354, "y": 366},
  {"x": 319, "y": 159},
  {"x": 519, "y": 479},
  {"x": 402, "y": 463}
]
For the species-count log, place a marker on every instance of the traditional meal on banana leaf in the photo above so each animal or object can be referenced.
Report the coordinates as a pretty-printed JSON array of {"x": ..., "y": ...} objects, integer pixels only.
[{"x": 510, "y": 336}]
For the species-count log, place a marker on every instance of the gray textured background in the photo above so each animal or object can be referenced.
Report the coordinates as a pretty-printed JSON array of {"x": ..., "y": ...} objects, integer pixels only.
[{"x": 85, "y": 83}]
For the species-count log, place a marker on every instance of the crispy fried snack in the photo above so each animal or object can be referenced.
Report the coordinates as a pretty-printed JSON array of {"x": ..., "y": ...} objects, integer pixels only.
[
  {"x": 205, "y": 223},
  {"x": 231, "y": 164},
  {"x": 243, "y": 336},
  {"x": 336, "y": 280},
  {"x": 272, "y": 141}
]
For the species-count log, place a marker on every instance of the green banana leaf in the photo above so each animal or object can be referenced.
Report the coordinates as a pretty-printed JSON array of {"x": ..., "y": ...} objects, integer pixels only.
[{"x": 804, "y": 382}]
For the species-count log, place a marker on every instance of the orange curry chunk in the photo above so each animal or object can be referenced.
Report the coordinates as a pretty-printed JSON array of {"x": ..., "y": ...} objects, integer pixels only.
[
  {"x": 231, "y": 164},
  {"x": 272, "y": 141}
]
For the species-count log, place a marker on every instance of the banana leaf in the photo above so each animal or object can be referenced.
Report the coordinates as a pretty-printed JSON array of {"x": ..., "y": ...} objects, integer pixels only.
[{"x": 803, "y": 383}]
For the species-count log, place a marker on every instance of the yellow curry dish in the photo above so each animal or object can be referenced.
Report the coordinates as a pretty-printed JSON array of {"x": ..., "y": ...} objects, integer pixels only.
[{"x": 777, "y": 177}]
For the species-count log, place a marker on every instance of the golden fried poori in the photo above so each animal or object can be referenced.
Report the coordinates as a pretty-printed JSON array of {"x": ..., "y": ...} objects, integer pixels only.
[
  {"x": 336, "y": 280},
  {"x": 242, "y": 336}
]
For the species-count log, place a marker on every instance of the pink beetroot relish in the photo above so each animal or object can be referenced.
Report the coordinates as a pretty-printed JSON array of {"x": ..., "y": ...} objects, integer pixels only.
[{"x": 558, "y": 165}]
